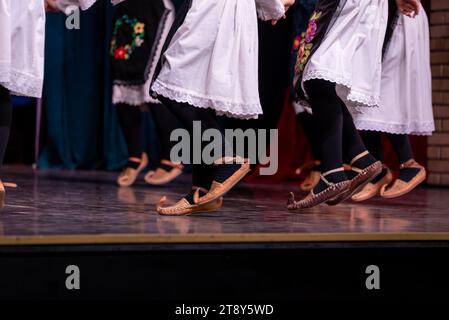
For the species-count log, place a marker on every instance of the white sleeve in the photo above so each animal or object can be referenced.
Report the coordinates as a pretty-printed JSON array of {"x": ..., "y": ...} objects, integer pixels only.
[
  {"x": 270, "y": 9},
  {"x": 83, "y": 4}
]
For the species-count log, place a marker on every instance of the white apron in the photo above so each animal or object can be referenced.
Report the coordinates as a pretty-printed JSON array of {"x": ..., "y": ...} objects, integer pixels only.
[
  {"x": 212, "y": 60},
  {"x": 350, "y": 55},
  {"x": 406, "y": 98},
  {"x": 22, "y": 45}
]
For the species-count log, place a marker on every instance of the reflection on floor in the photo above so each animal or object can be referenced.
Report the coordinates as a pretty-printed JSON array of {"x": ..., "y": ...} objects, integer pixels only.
[{"x": 89, "y": 203}]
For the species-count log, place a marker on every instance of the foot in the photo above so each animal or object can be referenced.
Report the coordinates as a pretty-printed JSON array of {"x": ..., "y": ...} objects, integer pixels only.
[
  {"x": 404, "y": 185},
  {"x": 228, "y": 172},
  {"x": 311, "y": 165},
  {"x": 187, "y": 206},
  {"x": 311, "y": 181},
  {"x": 4, "y": 185},
  {"x": 2, "y": 195},
  {"x": 324, "y": 191},
  {"x": 373, "y": 188},
  {"x": 366, "y": 168},
  {"x": 131, "y": 172},
  {"x": 166, "y": 173}
]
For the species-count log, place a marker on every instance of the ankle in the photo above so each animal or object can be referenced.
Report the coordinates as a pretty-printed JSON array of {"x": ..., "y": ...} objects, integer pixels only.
[
  {"x": 329, "y": 178},
  {"x": 134, "y": 163},
  {"x": 363, "y": 160}
]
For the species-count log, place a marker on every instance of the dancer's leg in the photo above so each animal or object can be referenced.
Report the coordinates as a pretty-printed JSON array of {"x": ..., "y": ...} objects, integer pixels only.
[
  {"x": 352, "y": 142},
  {"x": 130, "y": 118},
  {"x": 328, "y": 117},
  {"x": 373, "y": 142},
  {"x": 306, "y": 121},
  {"x": 403, "y": 149},
  {"x": 5, "y": 126},
  {"x": 5, "y": 121},
  {"x": 166, "y": 123}
]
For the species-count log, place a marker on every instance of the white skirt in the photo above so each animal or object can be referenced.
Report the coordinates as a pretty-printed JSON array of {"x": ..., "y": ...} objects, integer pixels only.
[
  {"x": 350, "y": 55},
  {"x": 406, "y": 99},
  {"x": 22, "y": 45},
  {"x": 212, "y": 60}
]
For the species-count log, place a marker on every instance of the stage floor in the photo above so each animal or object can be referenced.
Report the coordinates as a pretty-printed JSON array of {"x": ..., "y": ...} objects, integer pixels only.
[{"x": 81, "y": 207}]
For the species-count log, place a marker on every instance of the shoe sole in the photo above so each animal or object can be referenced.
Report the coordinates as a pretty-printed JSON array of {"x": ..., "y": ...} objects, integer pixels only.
[
  {"x": 319, "y": 198},
  {"x": 413, "y": 184},
  {"x": 196, "y": 209},
  {"x": 359, "y": 186}
]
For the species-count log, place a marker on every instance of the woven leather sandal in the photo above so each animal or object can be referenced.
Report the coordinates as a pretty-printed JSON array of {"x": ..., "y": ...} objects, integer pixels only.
[
  {"x": 312, "y": 199},
  {"x": 400, "y": 187},
  {"x": 129, "y": 175},
  {"x": 373, "y": 189},
  {"x": 184, "y": 208},
  {"x": 363, "y": 177},
  {"x": 218, "y": 189},
  {"x": 162, "y": 176},
  {"x": 3, "y": 191}
]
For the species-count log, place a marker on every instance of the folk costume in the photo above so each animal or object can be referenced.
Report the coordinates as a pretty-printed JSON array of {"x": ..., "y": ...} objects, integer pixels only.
[
  {"x": 405, "y": 107},
  {"x": 339, "y": 64},
  {"x": 22, "y": 38},
  {"x": 140, "y": 30},
  {"x": 209, "y": 68},
  {"x": 301, "y": 12}
]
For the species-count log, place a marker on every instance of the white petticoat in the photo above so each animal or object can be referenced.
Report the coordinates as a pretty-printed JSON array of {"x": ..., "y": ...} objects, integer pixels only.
[
  {"x": 212, "y": 60},
  {"x": 350, "y": 55},
  {"x": 406, "y": 97},
  {"x": 22, "y": 45}
]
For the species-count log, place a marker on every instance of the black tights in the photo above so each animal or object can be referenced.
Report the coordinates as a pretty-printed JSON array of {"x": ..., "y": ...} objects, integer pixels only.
[
  {"x": 130, "y": 118},
  {"x": 400, "y": 142},
  {"x": 307, "y": 123},
  {"x": 338, "y": 137},
  {"x": 203, "y": 174},
  {"x": 5, "y": 121}
]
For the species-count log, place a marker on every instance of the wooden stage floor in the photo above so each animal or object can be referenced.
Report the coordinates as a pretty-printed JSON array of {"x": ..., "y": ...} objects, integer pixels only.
[{"x": 80, "y": 207}]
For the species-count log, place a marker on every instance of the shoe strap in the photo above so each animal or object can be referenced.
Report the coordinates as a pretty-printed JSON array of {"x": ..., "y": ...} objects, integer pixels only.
[
  {"x": 194, "y": 188},
  {"x": 172, "y": 164},
  {"x": 230, "y": 160},
  {"x": 409, "y": 164},
  {"x": 360, "y": 156},
  {"x": 10, "y": 184},
  {"x": 135, "y": 159},
  {"x": 325, "y": 174}
]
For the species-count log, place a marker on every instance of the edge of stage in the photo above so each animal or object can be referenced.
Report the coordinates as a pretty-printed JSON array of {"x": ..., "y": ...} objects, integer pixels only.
[
  {"x": 253, "y": 250},
  {"x": 130, "y": 239}
]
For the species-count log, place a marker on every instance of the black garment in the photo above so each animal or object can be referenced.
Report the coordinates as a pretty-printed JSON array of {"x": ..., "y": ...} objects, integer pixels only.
[
  {"x": 373, "y": 142},
  {"x": 188, "y": 114},
  {"x": 5, "y": 121},
  {"x": 165, "y": 122},
  {"x": 400, "y": 143},
  {"x": 336, "y": 130},
  {"x": 393, "y": 18},
  {"x": 337, "y": 134},
  {"x": 179, "y": 20},
  {"x": 130, "y": 118},
  {"x": 328, "y": 11},
  {"x": 131, "y": 61},
  {"x": 306, "y": 121}
]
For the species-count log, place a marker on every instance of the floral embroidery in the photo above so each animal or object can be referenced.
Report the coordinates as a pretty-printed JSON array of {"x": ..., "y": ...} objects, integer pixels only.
[
  {"x": 124, "y": 52},
  {"x": 306, "y": 45}
]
